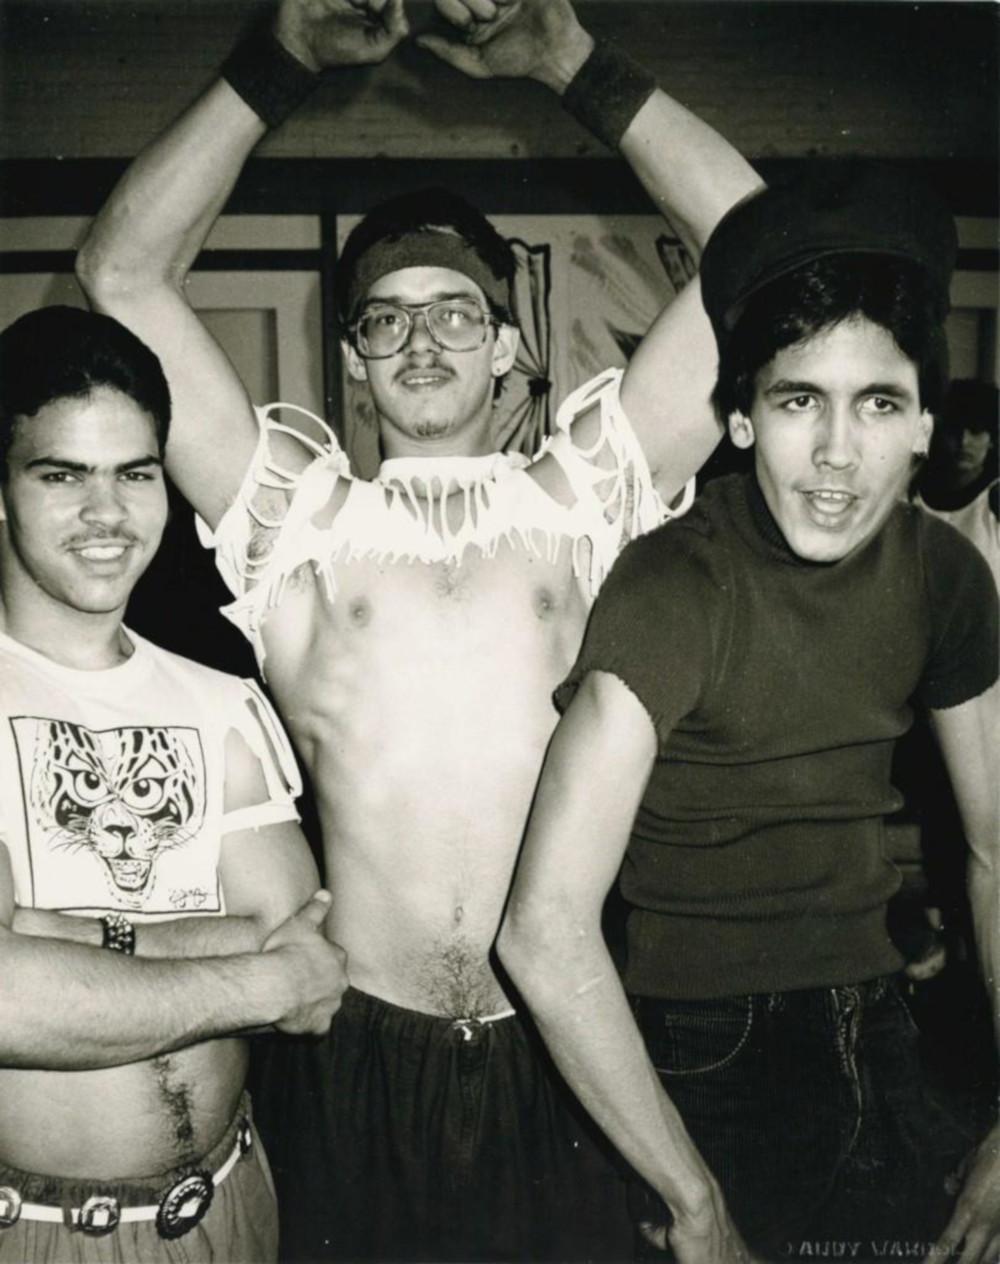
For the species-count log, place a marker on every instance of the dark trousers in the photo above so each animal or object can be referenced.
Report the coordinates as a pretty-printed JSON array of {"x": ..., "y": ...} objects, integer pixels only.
[
  {"x": 405, "y": 1136},
  {"x": 809, "y": 1108}
]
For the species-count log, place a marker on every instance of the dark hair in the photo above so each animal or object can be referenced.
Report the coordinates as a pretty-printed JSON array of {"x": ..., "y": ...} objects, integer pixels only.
[
  {"x": 895, "y": 293},
  {"x": 65, "y": 353},
  {"x": 421, "y": 210},
  {"x": 971, "y": 405}
]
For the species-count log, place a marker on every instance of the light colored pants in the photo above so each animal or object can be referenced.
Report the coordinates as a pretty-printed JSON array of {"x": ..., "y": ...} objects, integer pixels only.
[{"x": 240, "y": 1226}]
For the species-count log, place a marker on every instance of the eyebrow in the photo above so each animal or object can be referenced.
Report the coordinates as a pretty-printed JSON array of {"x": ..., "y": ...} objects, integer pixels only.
[
  {"x": 81, "y": 467},
  {"x": 442, "y": 296},
  {"x": 787, "y": 386}
]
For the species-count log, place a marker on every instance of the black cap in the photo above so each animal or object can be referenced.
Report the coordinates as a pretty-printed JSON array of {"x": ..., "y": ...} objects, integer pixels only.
[{"x": 839, "y": 208}]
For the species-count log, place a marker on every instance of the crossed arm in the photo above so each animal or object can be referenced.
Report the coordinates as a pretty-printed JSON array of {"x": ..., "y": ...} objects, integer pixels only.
[{"x": 67, "y": 1004}]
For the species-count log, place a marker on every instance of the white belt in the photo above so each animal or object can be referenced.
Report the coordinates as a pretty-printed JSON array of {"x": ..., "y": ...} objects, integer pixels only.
[
  {"x": 180, "y": 1209},
  {"x": 471, "y": 1028}
]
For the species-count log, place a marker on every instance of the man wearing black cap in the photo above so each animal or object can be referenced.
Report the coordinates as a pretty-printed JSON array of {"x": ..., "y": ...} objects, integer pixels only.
[
  {"x": 412, "y": 628},
  {"x": 744, "y": 676}
]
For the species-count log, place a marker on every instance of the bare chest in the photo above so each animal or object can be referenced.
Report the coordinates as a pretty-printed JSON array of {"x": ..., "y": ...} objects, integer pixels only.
[
  {"x": 406, "y": 627},
  {"x": 420, "y": 698}
]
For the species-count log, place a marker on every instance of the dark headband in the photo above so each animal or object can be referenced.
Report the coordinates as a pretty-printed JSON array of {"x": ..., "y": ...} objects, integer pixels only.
[{"x": 434, "y": 248}]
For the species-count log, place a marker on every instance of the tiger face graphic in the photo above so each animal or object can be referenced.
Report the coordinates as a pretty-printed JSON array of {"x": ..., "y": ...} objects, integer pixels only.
[{"x": 125, "y": 795}]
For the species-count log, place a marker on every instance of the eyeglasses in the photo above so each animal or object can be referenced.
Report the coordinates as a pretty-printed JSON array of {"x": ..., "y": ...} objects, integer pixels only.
[{"x": 455, "y": 324}]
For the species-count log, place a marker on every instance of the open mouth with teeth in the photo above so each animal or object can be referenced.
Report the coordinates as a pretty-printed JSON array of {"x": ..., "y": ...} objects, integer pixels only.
[
  {"x": 829, "y": 503},
  {"x": 130, "y": 875},
  {"x": 102, "y": 552}
]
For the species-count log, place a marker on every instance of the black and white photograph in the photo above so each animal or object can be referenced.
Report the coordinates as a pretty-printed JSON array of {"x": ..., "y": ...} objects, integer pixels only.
[{"x": 499, "y": 634}]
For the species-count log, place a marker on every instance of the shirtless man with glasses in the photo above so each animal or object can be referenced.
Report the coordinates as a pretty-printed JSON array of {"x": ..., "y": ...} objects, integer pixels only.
[{"x": 412, "y": 628}]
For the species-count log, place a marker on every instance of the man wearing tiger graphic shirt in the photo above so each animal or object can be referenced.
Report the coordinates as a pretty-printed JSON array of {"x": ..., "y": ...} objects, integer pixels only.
[{"x": 156, "y": 895}]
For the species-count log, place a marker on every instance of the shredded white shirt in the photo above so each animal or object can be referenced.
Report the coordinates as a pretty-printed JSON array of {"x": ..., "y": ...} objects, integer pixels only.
[{"x": 400, "y": 515}]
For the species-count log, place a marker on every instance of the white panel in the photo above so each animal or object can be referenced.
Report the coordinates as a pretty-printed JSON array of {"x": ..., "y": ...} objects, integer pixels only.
[
  {"x": 290, "y": 299},
  {"x": 231, "y": 232}
]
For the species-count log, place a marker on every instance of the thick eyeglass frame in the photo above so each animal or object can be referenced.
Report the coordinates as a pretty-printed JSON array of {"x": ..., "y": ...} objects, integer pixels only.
[{"x": 411, "y": 311}]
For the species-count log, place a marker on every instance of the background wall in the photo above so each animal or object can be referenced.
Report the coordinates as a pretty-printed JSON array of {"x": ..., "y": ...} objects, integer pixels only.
[
  {"x": 85, "y": 83},
  {"x": 95, "y": 78}
]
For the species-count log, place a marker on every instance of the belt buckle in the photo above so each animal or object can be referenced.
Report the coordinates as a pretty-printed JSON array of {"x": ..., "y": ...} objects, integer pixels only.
[
  {"x": 99, "y": 1215},
  {"x": 471, "y": 1029},
  {"x": 244, "y": 1137},
  {"x": 184, "y": 1205},
  {"x": 10, "y": 1206}
]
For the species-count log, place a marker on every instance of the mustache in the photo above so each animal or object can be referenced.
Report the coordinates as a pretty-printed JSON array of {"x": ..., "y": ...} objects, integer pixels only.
[{"x": 434, "y": 366}]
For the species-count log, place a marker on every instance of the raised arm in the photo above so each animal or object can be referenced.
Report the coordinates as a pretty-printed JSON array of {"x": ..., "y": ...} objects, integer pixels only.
[
  {"x": 135, "y": 260},
  {"x": 967, "y": 737},
  {"x": 692, "y": 174},
  {"x": 552, "y": 945}
]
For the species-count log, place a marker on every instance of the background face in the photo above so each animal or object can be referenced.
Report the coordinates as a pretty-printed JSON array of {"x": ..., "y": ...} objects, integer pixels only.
[
  {"x": 836, "y": 421},
  {"x": 84, "y": 504}
]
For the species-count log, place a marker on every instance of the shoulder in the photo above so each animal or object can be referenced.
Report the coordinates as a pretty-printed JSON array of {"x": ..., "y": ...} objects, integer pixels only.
[
  {"x": 685, "y": 549},
  {"x": 219, "y": 702},
  {"x": 951, "y": 561},
  {"x": 677, "y": 579},
  {"x": 187, "y": 673}
]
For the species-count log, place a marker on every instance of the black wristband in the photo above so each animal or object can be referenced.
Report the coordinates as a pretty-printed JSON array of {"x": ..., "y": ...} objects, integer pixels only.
[
  {"x": 607, "y": 92},
  {"x": 118, "y": 933},
  {"x": 270, "y": 79}
]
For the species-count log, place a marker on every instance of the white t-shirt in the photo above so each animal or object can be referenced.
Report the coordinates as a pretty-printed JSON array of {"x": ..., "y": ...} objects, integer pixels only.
[{"x": 112, "y": 783}]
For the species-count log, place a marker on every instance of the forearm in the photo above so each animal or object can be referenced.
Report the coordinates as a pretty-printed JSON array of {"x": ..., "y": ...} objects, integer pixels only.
[
  {"x": 691, "y": 172},
  {"x": 570, "y": 984},
  {"x": 66, "y": 1006},
  {"x": 201, "y": 937},
  {"x": 967, "y": 736},
  {"x": 984, "y": 901},
  {"x": 178, "y": 938}
]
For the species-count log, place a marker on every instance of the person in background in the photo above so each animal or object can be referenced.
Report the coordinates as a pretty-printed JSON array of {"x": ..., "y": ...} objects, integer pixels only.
[{"x": 960, "y": 480}]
